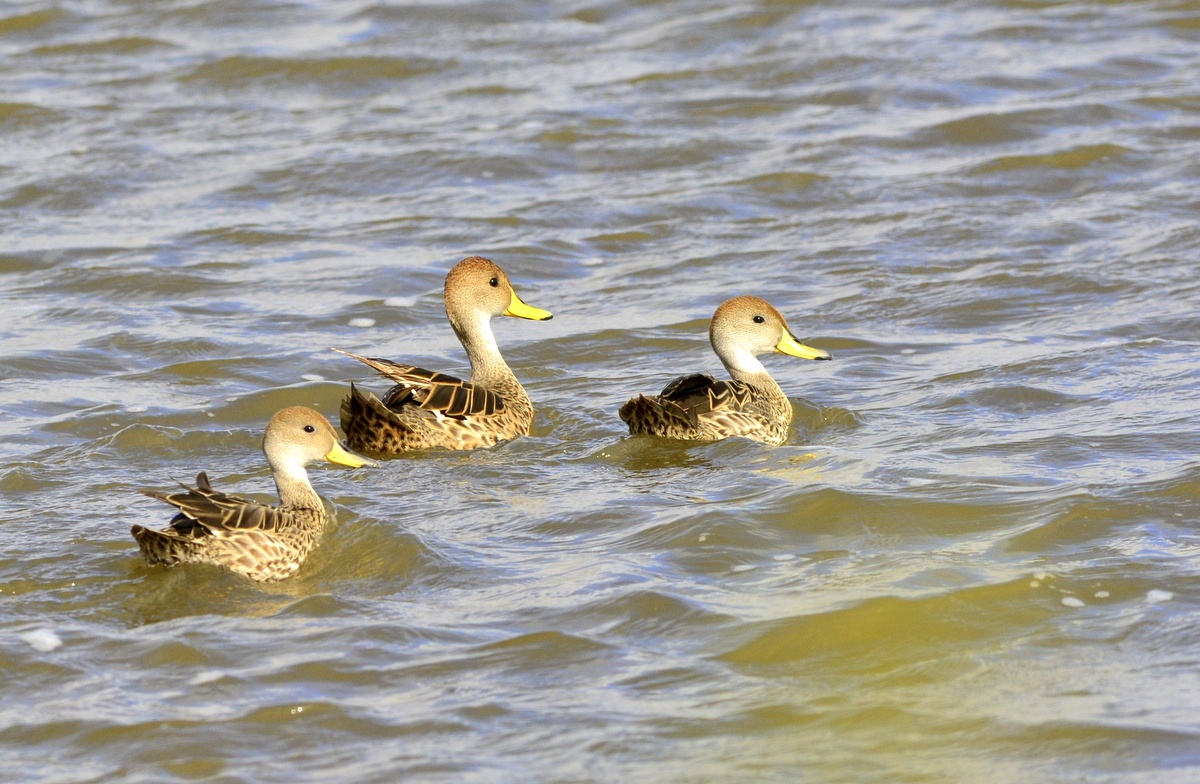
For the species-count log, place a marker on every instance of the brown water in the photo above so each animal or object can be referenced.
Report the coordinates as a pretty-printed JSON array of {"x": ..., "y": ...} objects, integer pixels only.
[{"x": 976, "y": 560}]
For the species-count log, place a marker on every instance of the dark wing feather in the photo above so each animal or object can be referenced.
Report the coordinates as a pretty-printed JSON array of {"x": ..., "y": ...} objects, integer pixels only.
[
  {"x": 203, "y": 511},
  {"x": 452, "y": 396},
  {"x": 432, "y": 391},
  {"x": 691, "y": 397}
]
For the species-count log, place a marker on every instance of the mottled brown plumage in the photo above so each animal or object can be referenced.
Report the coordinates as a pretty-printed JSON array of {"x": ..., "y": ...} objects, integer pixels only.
[
  {"x": 256, "y": 540},
  {"x": 430, "y": 409},
  {"x": 701, "y": 408}
]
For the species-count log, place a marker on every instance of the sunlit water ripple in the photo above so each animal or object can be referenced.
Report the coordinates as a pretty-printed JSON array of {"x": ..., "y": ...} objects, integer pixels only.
[{"x": 976, "y": 559}]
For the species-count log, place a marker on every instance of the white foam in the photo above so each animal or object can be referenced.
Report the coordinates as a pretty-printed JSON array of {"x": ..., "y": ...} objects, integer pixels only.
[
  {"x": 1102, "y": 594},
  {"x": 312, "y": 377},
  {"x": 42, "y": 640},
  {"x": 1072, "y": 601},
  {"x": 208, "y": 676},
  {"x": 743, "y": 568},
  {"x": 361, "y": 323},
  {"x": 785, "y": 557},
  {"x": 1156, "y": 596},
  {"x": 400, "y": 302}
]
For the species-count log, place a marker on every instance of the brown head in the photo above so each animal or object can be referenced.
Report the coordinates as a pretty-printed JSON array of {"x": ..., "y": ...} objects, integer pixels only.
[
  {"x": 476, "y": 288},
  {"x": 744, "y": 327},
  {"x": 298, "y": 436}
]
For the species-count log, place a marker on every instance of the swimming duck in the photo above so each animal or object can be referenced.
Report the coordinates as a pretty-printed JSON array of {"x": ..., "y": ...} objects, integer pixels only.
[
  {"x": 427, "y": 409},
  {"x": 701, "y": 408},
  {"x": 259, "y": 541}
]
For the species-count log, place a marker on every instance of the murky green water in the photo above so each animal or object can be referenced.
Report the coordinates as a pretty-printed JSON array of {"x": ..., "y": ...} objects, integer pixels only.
[{"x": 977, "y": 559}]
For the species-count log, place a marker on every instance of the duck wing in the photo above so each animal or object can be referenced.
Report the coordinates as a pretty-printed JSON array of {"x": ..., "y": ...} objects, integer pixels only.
[
  {"x": 698, "y": 395},
  {"x": 432, "y": 391},
  {"x": 204, "y": 511}
]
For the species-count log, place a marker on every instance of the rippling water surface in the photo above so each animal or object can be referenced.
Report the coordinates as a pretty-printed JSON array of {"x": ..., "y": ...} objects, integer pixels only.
[{"x": 976, "y": 559}]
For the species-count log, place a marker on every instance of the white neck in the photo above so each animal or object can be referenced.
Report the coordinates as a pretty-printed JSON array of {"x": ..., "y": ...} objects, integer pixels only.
[
  {"x": 477, "y": 338},
  {"x": 741, "y": 363},
  {"x": 290, "y": 474},
  {"x": 294, "y": 490}
]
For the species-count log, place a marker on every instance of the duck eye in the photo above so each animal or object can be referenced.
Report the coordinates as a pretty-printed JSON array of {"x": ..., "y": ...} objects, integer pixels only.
[
  {"x": 759, "y": 319},
  {"x": 493, "y": 282},
  {"x": 309, "y": 429}
]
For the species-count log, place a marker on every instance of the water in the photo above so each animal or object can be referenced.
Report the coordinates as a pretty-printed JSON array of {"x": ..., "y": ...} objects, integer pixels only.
[{"x": 976, "y": 560}]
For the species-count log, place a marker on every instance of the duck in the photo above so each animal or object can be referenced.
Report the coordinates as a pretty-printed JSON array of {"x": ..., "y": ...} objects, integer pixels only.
[
  {"x": 702, "y": 408},
  {"x": 261, "y": 542},
  {"x": 429, "y": 409}
]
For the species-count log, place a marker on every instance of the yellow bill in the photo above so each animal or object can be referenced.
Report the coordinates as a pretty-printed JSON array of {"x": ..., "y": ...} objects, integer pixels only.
[
  {"x": 342, "y": 456},
  {"x": 519, "y": 309},
  {"x": 789, "y": 345}
]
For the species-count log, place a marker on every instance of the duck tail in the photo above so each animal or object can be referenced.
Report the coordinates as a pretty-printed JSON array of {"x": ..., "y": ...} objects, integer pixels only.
[
  {"x": 366, "y": 422},
  {"x": 160, "y": 548}
]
